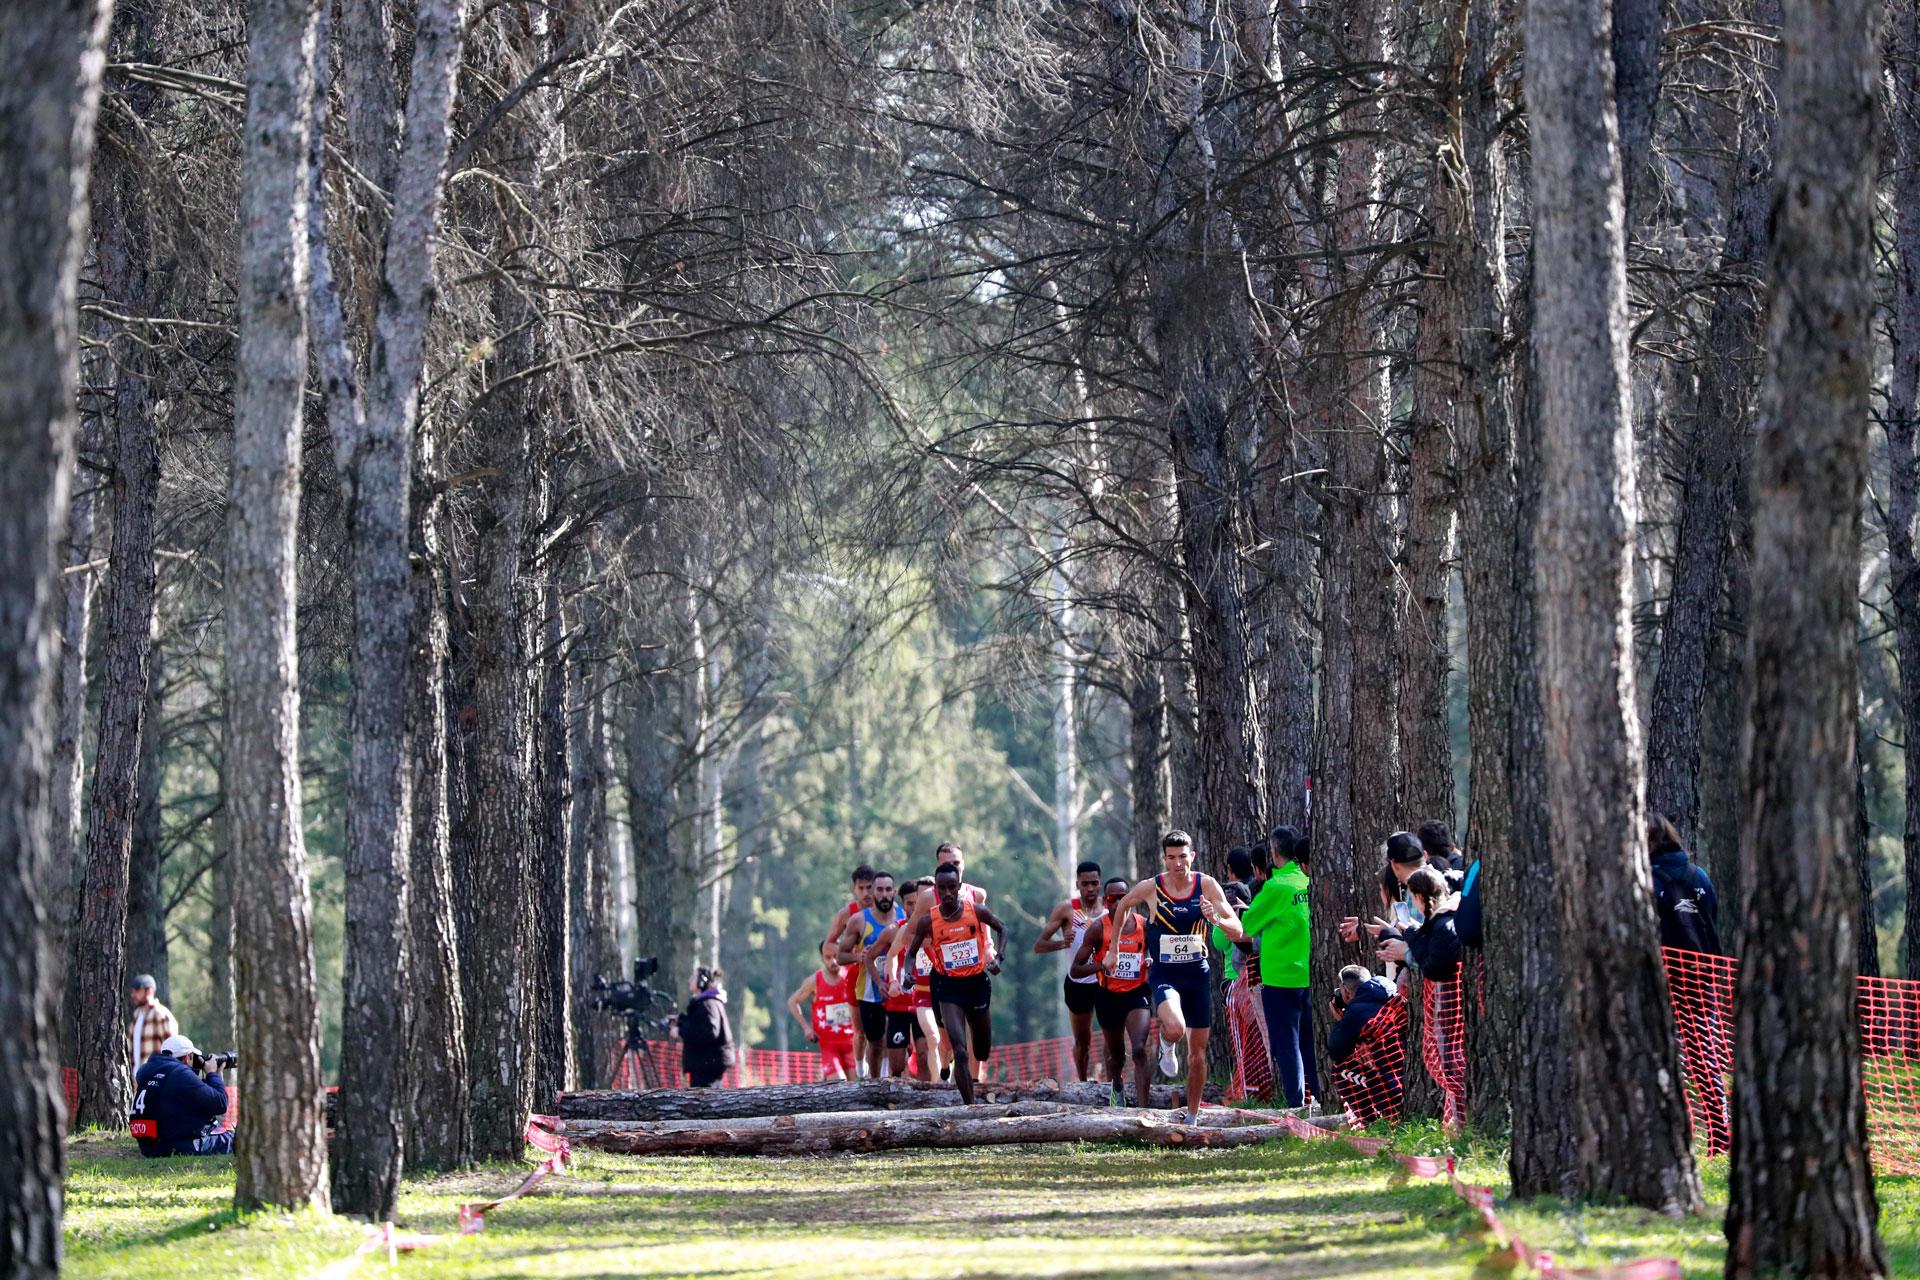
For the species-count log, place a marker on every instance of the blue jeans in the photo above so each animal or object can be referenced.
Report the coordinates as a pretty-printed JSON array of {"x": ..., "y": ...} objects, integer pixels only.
[
  {"x": 1290, "y": 1041},
  {"x": 207, "y": 1144}
]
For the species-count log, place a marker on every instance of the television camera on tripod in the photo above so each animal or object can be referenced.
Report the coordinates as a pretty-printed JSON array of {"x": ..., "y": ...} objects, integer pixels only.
[{"x": 635, "y": 1067}]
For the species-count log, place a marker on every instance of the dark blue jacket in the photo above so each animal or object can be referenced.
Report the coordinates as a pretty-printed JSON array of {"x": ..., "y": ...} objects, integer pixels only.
[
  {"x": 1466, "y": 917},
  {"x": 1684, "y": 898},
  {"x": 1368, "y": 1001},
  {"x": 170, "y": 1093}
]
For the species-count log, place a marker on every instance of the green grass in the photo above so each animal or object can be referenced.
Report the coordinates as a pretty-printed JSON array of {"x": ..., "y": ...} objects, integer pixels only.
[{"x": 1290, "y": 1209}]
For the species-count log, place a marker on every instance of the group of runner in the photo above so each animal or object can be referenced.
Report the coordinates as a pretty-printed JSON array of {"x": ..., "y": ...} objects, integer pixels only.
[{"x": 905, "y": 973}]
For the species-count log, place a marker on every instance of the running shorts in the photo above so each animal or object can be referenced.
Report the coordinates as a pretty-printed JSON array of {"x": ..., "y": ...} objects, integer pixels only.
[
  {"x": 873, "y": 1020},
  {"x": 1111, "y": 1008},
  {"x": 902, "y": 1028},
  {"x": 1193, "y": 983},
  {"x": 836, "y": 1060},
  {"x": 1080, "y": 996},
  {"x": 973, "y": 993}
]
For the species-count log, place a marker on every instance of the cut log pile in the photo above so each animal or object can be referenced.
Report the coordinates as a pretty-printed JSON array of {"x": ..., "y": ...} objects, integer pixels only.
[
  {"x": 848, "y": 1095},
  {"x": 886, "y": 1115}
]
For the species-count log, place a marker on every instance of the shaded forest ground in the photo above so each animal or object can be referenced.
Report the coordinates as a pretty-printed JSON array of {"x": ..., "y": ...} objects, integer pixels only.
[{"x": 1288, "y": 1210}]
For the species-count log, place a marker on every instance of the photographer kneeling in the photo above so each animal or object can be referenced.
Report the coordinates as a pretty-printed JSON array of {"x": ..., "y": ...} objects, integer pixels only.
[{"x": 175, "y": 1108}]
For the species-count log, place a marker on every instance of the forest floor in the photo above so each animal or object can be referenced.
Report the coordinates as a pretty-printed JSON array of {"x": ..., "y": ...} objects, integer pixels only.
[{"x": 1291, "y": 1209}]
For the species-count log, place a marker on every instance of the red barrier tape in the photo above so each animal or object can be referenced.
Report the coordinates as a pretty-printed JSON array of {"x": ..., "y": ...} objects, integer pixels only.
[
  {"x": 541, "y": 1133},
  {"x": 1541, "y": 1260}
]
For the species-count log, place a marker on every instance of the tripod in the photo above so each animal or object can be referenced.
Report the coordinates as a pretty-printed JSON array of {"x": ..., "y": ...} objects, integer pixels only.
[{"x": 633, "y": 1064}]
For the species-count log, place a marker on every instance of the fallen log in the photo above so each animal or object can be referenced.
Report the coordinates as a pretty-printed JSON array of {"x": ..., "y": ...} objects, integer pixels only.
[
  {"x": 1210, "y": 1118},
  {"x": 794, "y": 1135},
  {"x": 847, "y": 1095}
]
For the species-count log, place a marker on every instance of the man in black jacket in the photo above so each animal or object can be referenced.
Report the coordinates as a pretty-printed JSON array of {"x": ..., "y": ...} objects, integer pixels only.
[
  {"x": 1365, "y": 1044},
  {"x": 706, "y": 1038},
  {"x": 175, "y": 1108}
]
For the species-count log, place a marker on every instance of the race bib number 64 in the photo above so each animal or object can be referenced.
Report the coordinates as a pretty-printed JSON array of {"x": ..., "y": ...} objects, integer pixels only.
[{"x": 1181, "y": 948}]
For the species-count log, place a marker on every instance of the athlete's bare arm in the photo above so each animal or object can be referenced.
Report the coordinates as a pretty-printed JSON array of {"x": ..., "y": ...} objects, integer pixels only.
[
  {"x": 1084, "y": 963},
  {"x": 847, "y": 949},
  {"x": 1138, "y": 896},
  {"x": 1215, "y": 907},
  {"x": 840, "y": 919},
  {"x": 999, "y": 928},
  {"x": 882, "y": 946},
  {"x": 1054, "y": 936},
  {"x": 802, "y": 994},
  {"x": 918, "y": 930}
]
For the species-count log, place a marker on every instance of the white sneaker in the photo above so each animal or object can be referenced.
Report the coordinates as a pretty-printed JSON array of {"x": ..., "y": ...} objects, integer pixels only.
[{"x": 1169, "y": 1060}]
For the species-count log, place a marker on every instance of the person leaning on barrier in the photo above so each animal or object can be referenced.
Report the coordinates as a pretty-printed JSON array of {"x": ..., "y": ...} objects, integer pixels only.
[
  {"x": 1431, "y": 943},
  {"x": 178, "y": 1099},
  {"x": 1370, "y": 1072}
]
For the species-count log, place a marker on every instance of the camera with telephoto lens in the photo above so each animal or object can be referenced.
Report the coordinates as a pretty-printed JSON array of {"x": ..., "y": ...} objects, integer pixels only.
[
  {"x": 205, "y": 1062},
  {"x": 627, "y": 997}
]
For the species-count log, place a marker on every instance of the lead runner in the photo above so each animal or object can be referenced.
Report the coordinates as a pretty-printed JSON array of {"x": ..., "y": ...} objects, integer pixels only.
[{"x": 1180, "y": 905}]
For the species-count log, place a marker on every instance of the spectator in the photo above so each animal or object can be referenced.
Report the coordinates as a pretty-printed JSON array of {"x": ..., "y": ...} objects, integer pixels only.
[
  {"x": 174, "y": 1108},
  {"x": 1436, "y": 837},
  {"x": 706, "y": 1038},
  {"x": 1404, "y": 856},
  {"x": 1432, "y": 943},
  {"x": 152, "y": 1021},
  {"x": 1239, "y": 872},
  {"x": 1278, "y": 922},
  {"x": 1682, "y": 893},
  {"x": 1364, "y": 1043}
]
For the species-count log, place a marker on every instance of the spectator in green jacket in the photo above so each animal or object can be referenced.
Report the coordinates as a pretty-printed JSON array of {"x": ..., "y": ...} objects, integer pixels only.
[{"x": 1278, "y": 920}]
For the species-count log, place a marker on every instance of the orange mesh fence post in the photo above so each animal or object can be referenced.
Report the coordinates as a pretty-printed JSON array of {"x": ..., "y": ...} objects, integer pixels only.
[
  {"x": 70, "y": 1088},
  {"x": 1443, "y": 1042},
  {"x": 1702, "y": 990},
  {"x": 1372, "y": 1080},
  {"x": 1890, "y": 1071},
  {"x": 1252, "y": 1071}
]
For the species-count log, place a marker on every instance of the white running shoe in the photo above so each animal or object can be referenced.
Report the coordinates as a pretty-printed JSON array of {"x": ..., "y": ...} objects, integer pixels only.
[{"x": 1169, "y": 1060}]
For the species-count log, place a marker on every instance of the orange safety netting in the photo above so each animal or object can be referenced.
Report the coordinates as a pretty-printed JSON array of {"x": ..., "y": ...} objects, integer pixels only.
[
  {"x": 1372, "y": 1081},
  {"x": 1247, "y": 1023}
]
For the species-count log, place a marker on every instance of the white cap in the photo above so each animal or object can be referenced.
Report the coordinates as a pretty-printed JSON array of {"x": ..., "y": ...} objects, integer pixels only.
[{"x": 178, "y": 1046}]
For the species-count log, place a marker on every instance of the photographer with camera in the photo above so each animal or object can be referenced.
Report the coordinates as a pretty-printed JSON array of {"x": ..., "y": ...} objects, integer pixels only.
[{"x": 178, "y": 1099}]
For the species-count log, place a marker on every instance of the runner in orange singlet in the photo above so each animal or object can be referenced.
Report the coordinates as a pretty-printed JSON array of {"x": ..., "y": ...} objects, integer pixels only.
[
  {"x": 955, "y": 936},
  {"x": 949, "y": 854},
  {"x": 1121, "y": 1001}
]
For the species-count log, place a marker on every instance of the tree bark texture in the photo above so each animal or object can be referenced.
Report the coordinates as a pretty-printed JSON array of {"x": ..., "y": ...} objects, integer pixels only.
[
  {"x": 1801, "y": 1200},
  {"x": 50, "y": 63},
  {"x": 66, "y": 849},
  {"x": 374, "y": 447},
  {"x": 439, "y": 1129},
  {"x": 281, "y": 1150},
  {"x": 146, "y": 859},
  {"x": 553, "y": 1066},
  {"x": 1715, "y": 477},
  {"x": 105, "y": 1063},
  {"x": 1638, "y": 26},
  {"x": 591, "y": 943},
  {"x": 1426, "y": 748},
  {"x": 1629, "y": 1129},
  {"x": 1903, "y": 472},
  {"x": 220, "y": 1028},
  {"x": 650, "y": 814}
]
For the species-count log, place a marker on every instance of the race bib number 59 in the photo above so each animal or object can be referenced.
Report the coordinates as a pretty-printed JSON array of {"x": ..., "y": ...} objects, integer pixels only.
[
  {"x": 1181, "y": 948},
  {"x": 958, "y": 955}
]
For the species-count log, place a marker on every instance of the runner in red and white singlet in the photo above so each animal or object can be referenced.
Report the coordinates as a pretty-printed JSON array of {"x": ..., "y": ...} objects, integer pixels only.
[
  {"x": 862, "y": 899},
  {"x": 830, "y": 1024}
]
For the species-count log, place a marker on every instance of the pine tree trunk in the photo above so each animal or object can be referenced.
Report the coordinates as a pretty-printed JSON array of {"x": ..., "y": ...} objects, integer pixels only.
[
  {"x": 146, "y": 861},
  {"x": 1715, "y": 478},
  {"x": 106, "y": 1061},
  {"x": 650, "y": 815},
  {"x": 590, "y": 939},
  {"x": 1426, "y": 745},
  {"x": 498, "y": 939},
  {"x": 439, "y": 1129},
  {"x": 1636, "y": 32},
  {"x": 281, "y": 1150},
  {"x": 66, "y": 849},
  {"x": 1629, "y": 1128},
  {"x": 1801, "y": 1200},
  {"x": 1150, "y": 779},
  {"x": 1903, "y": 472},
  {"x": 552, "y": 871},
  {"x": 220, "y": 1026},
  {"x": 50, "y": 61},
  {"x": 1489, "y": 531}
]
